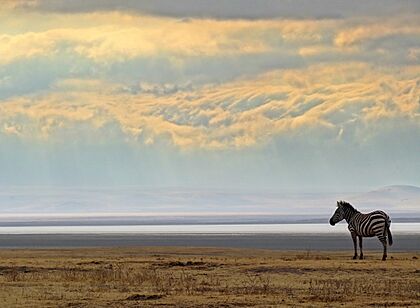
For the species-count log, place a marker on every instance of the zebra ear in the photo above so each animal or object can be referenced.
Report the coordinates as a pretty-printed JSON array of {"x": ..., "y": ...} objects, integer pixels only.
[{"x": 338, "y": 203}]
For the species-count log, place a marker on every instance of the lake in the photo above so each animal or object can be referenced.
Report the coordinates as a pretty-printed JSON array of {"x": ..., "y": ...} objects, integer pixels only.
[{"x": 396, "y": 228}]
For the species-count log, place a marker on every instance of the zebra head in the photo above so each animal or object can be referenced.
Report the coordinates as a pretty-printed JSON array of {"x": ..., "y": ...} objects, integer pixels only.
[{"x": 338, "y": 214}]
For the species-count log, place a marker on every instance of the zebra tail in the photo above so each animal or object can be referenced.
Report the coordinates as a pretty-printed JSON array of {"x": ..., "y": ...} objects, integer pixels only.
[{"x": 388, "y": 231}]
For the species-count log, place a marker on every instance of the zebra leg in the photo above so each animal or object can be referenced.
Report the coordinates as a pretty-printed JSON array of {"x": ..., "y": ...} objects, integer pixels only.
[
  {"x": 354, "y": 237},
  {"x": 383, "y": 241},
  {"x": 361, "y": 248}
]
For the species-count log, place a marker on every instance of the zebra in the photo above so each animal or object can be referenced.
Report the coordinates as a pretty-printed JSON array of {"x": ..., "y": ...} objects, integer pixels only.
[{"x": 375, "y": 223}]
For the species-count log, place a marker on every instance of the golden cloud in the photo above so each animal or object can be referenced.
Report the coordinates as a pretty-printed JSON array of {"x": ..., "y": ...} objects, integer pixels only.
[
  {"x": 105, "y": 37},
  {"x": 377, "y": 29},
  {"x": 241, "y": 113}
]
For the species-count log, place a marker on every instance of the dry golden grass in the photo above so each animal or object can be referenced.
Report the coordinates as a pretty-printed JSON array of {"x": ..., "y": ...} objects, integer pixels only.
[{"x": 204, "y": 277}]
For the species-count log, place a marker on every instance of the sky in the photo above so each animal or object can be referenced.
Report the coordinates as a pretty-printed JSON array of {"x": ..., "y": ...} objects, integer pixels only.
[{"x": 304, "y": 95}]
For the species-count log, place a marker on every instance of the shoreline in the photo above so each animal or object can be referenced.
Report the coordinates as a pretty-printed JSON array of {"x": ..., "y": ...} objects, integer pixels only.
[{"x": 275, "y": 242}]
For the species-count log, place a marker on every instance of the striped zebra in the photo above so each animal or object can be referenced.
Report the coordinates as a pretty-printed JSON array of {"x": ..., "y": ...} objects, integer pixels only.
[{"x": 376, "y": 223}]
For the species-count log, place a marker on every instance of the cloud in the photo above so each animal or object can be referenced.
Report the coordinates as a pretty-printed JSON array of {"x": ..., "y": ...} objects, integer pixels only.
[
  {"x": 396, "y": 27},
  {"x": 237, "y": 9},
  {"x": 325, "y": 101},
  {"x": 413, "y": 54},
  {"x": 9, "y": 5},
  {"x": 131, "y": 48},
  {"x": 122, "y": 37},
  {"x": 11, "y": 129},
  {"x": 214, "y": 84},
  {"x": 23, "y": 46},
  {"x": 107, "y": 40}
]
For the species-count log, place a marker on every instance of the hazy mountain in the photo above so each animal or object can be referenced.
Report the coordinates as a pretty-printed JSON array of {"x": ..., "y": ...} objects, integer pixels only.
[
  {"x": 395, "y": 191},
  {"x": 398, "y": 198}
]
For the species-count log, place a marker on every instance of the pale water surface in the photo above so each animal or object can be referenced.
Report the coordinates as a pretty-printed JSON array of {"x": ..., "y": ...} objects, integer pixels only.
[{"x": 398, "y": 228}]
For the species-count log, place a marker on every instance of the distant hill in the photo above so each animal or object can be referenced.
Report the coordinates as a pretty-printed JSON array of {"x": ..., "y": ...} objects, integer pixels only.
[
  {"x": 395, "y": 197},
  {"x": 126, "y": 202},
  {"x": 401, "y": 192}
]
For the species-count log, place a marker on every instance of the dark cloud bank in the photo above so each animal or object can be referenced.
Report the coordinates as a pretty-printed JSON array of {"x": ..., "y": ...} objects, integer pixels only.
[{"x": 247, "y": 9}]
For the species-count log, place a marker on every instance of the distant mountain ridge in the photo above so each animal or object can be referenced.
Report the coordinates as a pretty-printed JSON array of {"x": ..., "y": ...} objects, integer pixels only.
[
  {"x": 395, "y": 191},
  {"x": 402, "y": 200},
  {"x": 396, "y": 197}
]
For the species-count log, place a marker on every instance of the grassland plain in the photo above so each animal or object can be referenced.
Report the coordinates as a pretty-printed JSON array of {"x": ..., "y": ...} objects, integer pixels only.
[{"x": 205, "y": 277}]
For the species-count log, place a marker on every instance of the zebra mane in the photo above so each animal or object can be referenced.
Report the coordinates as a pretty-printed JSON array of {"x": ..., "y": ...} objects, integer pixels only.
[{"x": 346, "y": 205}]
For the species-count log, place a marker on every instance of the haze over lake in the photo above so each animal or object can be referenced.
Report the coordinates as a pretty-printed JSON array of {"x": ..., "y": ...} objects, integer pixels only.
[{"x": 137, "y": 201}]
